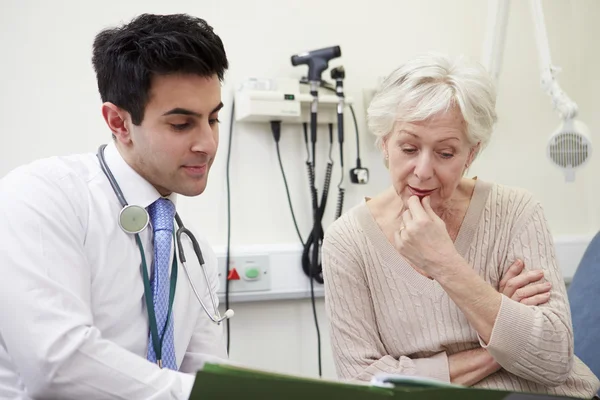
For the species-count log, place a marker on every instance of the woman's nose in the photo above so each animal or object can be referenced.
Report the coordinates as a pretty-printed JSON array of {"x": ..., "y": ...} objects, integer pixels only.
[{"x": 424, "y": 167}]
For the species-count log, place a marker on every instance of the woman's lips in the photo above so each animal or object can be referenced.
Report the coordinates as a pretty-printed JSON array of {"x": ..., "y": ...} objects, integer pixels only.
[{"x": 420, "y": 192}]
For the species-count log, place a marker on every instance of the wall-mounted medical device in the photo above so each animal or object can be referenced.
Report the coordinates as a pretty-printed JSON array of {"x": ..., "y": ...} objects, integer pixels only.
[
  {"x": 569, "y": 147},
  {"x": 311, "y": 103},
  {"x": 283, "y": 99}
]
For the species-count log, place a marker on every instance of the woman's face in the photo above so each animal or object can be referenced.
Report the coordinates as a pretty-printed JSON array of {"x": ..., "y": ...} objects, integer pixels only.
[{"x": 429, "y": 158}]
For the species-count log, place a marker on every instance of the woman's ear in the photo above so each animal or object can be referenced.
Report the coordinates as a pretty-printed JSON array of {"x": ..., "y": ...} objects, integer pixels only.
[
  {"x": 382, "y": 142},
  {"x": 384, "y": 150},
  {"x": 472, "y": 154}
]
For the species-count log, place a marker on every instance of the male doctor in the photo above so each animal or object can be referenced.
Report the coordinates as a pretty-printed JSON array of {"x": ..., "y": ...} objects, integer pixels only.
[{"x": 74, "y": 322}]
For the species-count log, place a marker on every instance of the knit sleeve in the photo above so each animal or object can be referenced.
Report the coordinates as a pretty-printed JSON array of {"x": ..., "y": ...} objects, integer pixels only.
[
  {"x": 535, "y": 342},
  {"x": 358, "y": 351}
]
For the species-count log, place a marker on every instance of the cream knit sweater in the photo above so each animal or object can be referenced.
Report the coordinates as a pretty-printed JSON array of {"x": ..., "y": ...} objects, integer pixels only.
[{"x": 386, "y": 317}]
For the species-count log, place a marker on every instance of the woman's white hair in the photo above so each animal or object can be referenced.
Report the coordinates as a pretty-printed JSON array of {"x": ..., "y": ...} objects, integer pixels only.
[{"x": 432, "y": 84}]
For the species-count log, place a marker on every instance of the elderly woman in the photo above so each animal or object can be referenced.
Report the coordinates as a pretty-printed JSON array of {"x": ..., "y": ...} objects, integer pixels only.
[{"x": 444, "y": 276}]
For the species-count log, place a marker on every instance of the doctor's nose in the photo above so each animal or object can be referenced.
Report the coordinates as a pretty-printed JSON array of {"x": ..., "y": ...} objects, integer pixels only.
[{"x": 205, "y": 140}]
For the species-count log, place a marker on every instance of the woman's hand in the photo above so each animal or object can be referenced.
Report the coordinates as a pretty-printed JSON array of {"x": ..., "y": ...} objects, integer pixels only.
[
  {"x": 518, "y": 285},
  {"x": 423, "y": 239}
]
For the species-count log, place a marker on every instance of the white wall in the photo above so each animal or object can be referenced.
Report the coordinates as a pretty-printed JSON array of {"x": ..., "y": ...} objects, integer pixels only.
[{"x": 49, "y": 105}]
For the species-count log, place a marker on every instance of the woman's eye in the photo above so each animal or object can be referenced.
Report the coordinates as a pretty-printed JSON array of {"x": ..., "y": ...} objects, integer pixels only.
[
  {"x": 409, "y": 151},
  {"x": 447, "y": 155},
  {"x": 213, "y": 121}
]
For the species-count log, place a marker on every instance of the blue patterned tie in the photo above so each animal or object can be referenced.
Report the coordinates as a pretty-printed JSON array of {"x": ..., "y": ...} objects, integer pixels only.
[{"x": 162, "y": 212}]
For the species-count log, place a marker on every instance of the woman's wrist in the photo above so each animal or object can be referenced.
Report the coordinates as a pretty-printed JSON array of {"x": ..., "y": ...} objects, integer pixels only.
[
  {"x": 450, "y": 268},
  {"x": 491, "y": 363},
  {"x": 471, "y": 366}
]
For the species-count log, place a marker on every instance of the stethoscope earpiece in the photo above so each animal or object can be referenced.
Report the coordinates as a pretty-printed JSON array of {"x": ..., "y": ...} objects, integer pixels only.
[{"x": 133, "y": 219}]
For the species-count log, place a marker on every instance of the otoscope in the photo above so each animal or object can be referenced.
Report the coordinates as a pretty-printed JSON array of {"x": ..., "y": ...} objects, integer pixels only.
[{"x": 317, "y": 61}]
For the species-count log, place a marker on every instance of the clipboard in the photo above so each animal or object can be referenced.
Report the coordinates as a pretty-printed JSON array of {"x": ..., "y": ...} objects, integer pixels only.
[{"x": 225, "y": 381}]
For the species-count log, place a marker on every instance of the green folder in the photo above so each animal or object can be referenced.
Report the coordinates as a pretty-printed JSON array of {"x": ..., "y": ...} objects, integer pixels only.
[{"x": 230, "y": 382}]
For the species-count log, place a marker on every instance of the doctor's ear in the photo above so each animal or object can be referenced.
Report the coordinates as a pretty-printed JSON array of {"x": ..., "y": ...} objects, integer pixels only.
[{"x": 116, "y": 118}]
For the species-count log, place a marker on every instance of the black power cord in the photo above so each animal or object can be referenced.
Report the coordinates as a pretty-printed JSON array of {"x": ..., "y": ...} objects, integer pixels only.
[
  {"x": 358, "y": 174},
  {"x": 227, "y": 260},
  {"x": 276, "y": 130}
]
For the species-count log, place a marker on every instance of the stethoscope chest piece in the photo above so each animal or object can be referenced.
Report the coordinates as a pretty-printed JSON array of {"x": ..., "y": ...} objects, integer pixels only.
[{"x": 133, "y": 219}]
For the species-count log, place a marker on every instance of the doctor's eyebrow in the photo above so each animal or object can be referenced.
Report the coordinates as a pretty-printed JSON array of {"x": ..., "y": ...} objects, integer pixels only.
[{"x": 185, "y": 111}]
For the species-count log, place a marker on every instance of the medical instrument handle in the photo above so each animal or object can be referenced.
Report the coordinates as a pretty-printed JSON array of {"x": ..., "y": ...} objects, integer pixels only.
[
  {"x": 314, "y": 109},
  {"x": 340, "y": 121},
  {"x": 338, "y": 74}
]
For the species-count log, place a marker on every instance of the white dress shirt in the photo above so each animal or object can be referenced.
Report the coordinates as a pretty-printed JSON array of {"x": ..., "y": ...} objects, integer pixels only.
[{"x": 73, "y": 321}]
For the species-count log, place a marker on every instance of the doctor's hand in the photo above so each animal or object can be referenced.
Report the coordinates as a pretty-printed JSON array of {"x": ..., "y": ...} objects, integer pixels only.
[
  {"x": 518, "y": 285},
  {"x": 424, "y": 240}
]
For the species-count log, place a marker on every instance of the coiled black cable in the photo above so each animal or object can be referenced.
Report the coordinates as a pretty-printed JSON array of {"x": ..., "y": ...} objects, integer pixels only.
[
  {"x": 340, "y": 202},
  {"x": 341, "y": 190},
  {"x": 312, "y": 265}
]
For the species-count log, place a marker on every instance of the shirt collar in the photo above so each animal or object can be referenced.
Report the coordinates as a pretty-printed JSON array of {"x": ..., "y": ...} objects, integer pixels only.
[{"x": 136, "y": 189}]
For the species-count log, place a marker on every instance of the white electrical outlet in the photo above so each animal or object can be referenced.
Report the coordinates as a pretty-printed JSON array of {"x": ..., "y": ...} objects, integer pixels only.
[{"x": 248, "y": 273}]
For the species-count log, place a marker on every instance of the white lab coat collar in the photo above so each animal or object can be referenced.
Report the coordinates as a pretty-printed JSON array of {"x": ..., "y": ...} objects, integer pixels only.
[{"x": 136, "y": 189}]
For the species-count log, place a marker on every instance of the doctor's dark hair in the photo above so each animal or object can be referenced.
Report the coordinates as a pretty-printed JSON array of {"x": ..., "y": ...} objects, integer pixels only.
[{"x": 126, "y": 58}]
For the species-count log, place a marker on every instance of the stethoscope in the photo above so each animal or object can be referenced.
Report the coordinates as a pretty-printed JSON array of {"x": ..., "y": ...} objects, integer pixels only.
[{"x": 133, "y": 219}]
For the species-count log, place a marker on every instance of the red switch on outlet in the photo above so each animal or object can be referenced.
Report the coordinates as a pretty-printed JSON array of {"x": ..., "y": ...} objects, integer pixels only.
[{"x": 233, "y": 275}]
